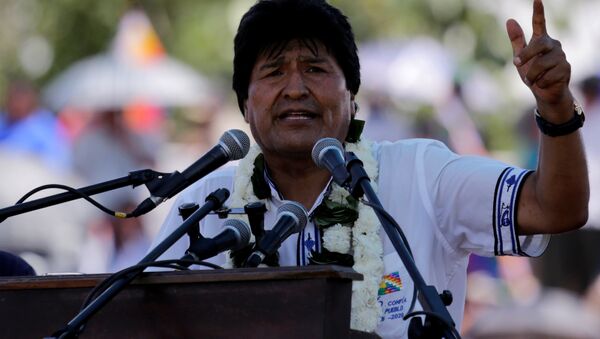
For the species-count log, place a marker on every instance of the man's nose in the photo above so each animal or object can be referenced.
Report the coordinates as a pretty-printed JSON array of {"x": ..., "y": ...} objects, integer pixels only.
[{"x": 295, "y": 87}]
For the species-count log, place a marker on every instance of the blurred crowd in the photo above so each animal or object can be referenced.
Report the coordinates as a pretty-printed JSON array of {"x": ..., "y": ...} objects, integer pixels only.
[{"x": 39, "y": 148}]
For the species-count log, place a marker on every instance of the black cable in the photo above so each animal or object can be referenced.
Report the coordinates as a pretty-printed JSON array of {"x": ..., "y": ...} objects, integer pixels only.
[
  {"x": 75, "y": 191},
  {"x": 391, "y": 220}
]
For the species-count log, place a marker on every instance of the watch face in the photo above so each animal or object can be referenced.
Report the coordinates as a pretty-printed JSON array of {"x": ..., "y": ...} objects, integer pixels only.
[
  {"x": 579, "y": 111},
  {"x": 578, "y": 108}
]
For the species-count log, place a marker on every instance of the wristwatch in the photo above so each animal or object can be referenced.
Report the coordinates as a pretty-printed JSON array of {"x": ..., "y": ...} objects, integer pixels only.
[{"x": 568, "y": 127}]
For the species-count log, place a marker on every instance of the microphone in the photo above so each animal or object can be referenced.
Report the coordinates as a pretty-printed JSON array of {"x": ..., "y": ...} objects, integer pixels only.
[
  {"x": 328, "y": 153},
  {"x": 236, "y": 234},
  {"x": 256, "y": 216},
  {"x": 291, "y": 218},
  {"x": 233, "y": 145}
]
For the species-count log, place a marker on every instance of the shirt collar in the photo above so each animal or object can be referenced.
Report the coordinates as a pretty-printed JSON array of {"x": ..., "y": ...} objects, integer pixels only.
[{"x": 278, "y": 197}]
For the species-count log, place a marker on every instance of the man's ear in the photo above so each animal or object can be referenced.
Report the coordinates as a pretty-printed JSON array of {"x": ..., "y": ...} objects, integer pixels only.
[
  {"x": 354, "y": 106},
  {"x": 246, "y": 111}
]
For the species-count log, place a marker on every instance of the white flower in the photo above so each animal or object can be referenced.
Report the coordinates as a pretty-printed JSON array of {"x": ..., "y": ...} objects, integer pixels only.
[
  {"x": 243, "y": 193},
  {"x": 336, "y": 238},
  {"x": 338, "y": 194}
]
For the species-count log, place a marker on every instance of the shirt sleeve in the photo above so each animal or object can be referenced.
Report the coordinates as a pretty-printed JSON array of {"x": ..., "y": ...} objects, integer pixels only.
[{"x": 475, "y": 203}]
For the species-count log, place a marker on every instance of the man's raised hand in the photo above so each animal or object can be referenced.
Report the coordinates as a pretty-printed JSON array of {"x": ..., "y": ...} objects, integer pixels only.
[{"x": 543, "y": 66}]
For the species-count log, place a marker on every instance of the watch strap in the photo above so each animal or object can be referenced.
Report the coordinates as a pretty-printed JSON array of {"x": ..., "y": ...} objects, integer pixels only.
[{"x": 556, "y": 130}]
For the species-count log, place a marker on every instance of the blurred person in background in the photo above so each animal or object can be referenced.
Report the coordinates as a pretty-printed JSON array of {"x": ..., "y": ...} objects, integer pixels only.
[
  {"x": 590, "y": 88},
  {"x": 34, "y": 150},
  {"x": 529, "y": 136},
  {"x": 107, "y": 148},
  {"x": 383, "y": 123},
  {"x": 27, "y": 128},
  {"x": 113, "y": 244},
  {"x": 452, "y": 114}
]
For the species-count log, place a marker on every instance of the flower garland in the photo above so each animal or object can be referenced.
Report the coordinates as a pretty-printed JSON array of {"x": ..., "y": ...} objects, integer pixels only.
[
  {"x": 360, "y": 239},
  {"x": 243, "y": 193}
]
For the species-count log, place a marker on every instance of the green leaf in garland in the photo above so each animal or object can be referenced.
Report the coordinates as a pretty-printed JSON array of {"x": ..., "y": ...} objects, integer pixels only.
[
  {"x": 352, "y": 202},
  {"x": 330, "y": 213},
  {"x": 355, "y": 130},
  {"x": 331, "y": 258},
  {"x": 259, "y": 185}
]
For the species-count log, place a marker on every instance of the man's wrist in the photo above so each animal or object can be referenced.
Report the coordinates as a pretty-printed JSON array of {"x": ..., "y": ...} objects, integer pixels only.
[{"x": 552, "y": 129}]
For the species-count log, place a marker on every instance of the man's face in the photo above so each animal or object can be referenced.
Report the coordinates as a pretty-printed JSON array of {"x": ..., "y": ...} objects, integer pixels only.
[{"x": 295, "y": 98}]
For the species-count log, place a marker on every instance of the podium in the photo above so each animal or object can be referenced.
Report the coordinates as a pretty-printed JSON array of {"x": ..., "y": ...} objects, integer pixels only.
[{"x": 286, "y": 302}]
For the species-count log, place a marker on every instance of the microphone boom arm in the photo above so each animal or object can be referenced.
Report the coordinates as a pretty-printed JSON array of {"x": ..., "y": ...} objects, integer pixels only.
[
  {"x": 214, "y": 201},
  {"x": 134, "y": 179}
]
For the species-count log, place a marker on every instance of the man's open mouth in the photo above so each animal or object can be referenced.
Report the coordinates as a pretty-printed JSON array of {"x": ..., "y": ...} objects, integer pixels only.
[{"x": 297, "y": 115}]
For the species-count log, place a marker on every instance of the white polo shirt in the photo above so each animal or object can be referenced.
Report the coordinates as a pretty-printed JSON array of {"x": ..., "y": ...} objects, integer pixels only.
[{"x": 447, "y": 205}]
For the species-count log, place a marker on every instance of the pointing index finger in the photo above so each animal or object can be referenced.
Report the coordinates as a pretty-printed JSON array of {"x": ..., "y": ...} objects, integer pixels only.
[{"x": 538, "y": 19}]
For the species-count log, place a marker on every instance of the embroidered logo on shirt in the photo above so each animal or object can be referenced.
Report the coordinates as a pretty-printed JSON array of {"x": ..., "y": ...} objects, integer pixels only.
[
  {"x": 505, "y": 220},
  {"x": 510, "y": 182},
  {"x": 506, "y": 195},
  {"x": 391, "y": 283},
  {"x": 309, "y": 243}
]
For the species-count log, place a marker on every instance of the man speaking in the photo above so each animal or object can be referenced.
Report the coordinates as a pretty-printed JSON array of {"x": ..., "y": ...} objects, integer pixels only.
[{"x": 296, "y": 77}]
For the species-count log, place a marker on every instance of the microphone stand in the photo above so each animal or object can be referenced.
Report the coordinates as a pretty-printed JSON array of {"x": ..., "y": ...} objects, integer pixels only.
[
  {"x": 431, "y": 301},
  {"x": 134, "y": 179},
  {"x": 214, "y": 201}
]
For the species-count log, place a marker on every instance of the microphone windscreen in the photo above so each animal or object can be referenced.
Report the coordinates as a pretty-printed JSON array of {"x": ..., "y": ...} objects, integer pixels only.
[
  {"x": 241, "y": 229},
  {"x": 297, "y": 210},
  {"x": 236, "y": 143},
  {"x": 323, "y": 144}
]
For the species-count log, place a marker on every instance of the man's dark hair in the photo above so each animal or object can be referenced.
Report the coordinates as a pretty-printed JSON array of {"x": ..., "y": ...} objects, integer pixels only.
[{"x": 270, "y": 24}]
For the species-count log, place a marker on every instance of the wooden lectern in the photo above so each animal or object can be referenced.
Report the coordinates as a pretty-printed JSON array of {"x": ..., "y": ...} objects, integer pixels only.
[{"x": 287, "y": 302}]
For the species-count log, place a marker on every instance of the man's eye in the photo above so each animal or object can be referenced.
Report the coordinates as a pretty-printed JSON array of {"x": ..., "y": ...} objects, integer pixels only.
[
  {"x": 315, "y": 69},
  {"x": 274, "y": 73}
]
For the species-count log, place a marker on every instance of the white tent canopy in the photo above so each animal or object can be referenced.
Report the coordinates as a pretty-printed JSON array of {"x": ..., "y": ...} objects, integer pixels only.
[{"x": 103, "y": 81}]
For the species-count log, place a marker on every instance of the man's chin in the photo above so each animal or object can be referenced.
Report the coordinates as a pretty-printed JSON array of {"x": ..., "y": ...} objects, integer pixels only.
[{"x": 295, "y": 150}]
